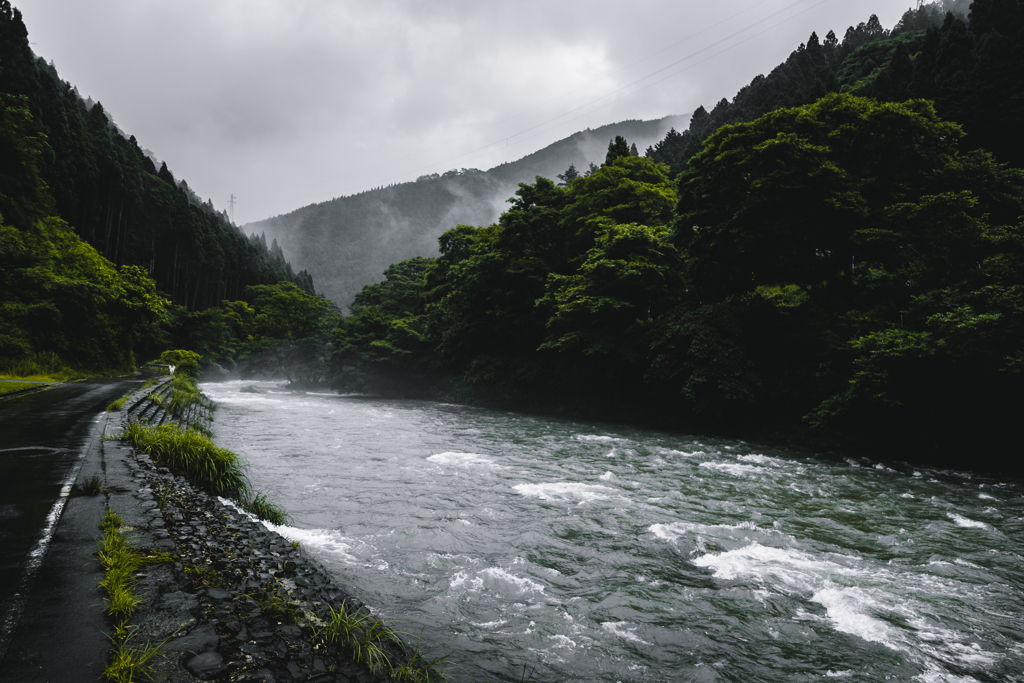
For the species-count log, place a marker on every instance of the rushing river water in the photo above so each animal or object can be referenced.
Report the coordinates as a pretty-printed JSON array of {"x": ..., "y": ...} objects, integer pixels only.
[{"x": 594, "y": 552}]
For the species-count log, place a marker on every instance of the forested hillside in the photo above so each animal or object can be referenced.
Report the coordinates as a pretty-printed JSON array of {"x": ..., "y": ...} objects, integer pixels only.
[
  {"x": 105, "y": 187},
  {"x": 848, "y": 270},
  {"x": 102, "y": 255},
  {"x": 969, "y": 69},
  {"x": 347, "y": 242}
]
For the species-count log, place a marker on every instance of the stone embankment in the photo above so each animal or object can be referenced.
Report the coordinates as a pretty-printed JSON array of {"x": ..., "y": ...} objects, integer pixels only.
[{"x": 236, "y": 601}]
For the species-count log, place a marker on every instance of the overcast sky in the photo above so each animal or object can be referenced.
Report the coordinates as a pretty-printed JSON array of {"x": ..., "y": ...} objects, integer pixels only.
[{"x": 285, "y": 103}]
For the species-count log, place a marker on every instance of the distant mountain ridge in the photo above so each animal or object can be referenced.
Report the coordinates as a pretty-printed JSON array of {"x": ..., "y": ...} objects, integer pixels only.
[{"x": 348, "y": 242}]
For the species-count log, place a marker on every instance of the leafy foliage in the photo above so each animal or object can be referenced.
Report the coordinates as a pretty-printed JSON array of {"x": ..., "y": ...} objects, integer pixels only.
[
  {"x": 99, "y": 180},
  {"x": 850, "y": 261}
]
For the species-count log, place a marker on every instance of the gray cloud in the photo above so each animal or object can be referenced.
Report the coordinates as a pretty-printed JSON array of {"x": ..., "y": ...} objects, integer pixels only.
[{"x": 287, "y": 103}]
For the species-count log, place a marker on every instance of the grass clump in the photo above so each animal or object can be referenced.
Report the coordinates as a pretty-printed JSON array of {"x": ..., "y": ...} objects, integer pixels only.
[
  {"x": 419, "y": 669},
  {"x": 117, "y": 405},
  {"x": 192, "y": 455},
  {"x": 360, "y": 636},
  {"x": 120, "y": 560},
  {"x": 184, "y": 392},
  {"x": 129, "y": 664},
  {"x": 259, "y": 505},
  {"x": 92, "y": 486}
]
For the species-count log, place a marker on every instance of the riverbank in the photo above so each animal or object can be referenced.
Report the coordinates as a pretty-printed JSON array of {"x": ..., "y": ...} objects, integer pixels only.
[
  {"x": 899, "y": 449},
  {"x": 233, "y": 600}
]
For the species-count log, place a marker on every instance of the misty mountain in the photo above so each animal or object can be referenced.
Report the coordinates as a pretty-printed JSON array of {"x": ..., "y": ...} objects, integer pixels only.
[{"x": 348, "y": 242}]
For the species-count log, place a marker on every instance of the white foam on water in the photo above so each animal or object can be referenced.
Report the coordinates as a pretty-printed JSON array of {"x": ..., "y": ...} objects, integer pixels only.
[
  {"x": 853, "y": 608},
  {"x": 619, "y": 629},
  {"x": 838, "y": 674},
  {"x": 326, "y": 540},
  {"x": 461, "y": 579},
  {"x": 846, "y": 608},
  {"x": 607, "y": 476},
  {"x": 674, "y": 530},
  {"x": 562, "y": 641},
  {"x": 521, "y": 583},
  {"x": 937, "y": 676},
  {"x": 734, "y": 469},
  {"x": 761, "y": 459},
  {"x": 597, "y": 438},
  {"x": 456, "y": 459},
  {"x": 906, "y": 495},
  {"x": 985, "y": 496},
  {"x": 567, "y": 490},
  {"x": 965, "y": 522},
  {"x": 490, "y": 624},
  {"x": 669, "y": 451}
]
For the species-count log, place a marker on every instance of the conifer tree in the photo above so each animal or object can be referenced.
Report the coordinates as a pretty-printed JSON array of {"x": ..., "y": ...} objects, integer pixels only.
[{"x": 616, "y": 148}]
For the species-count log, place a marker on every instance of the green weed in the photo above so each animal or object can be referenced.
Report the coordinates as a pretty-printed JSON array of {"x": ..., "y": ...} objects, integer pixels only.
[
  {"x": 92, "y": 486},
  {"x": 120, "y": 561},
  {"x": 117, "y": 405},
  {"x": 275, "y": 601},
  {"x": 128, "y": 664},
  {"x": 259, "y": 505},
  {"x": 201, "y": 576},
  {"x": 295, "y": 545},
  {"x": 417, "y": 669},
  {"x": 360, "y": 636}
]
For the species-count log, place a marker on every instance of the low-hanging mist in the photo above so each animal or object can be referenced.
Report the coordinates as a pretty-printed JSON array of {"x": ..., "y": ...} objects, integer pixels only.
[{"x": 348, "y": 242}]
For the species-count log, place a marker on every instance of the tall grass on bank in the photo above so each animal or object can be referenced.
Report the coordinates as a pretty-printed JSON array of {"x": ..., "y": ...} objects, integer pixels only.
[
  {"x": 184, "y": 392},
  {"x": 194, "y": 456},
  {"x": 366, "y": 640}
]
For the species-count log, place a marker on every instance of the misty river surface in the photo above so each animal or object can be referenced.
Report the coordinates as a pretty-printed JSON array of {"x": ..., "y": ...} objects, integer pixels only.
[{"x": 594, "y": 552}]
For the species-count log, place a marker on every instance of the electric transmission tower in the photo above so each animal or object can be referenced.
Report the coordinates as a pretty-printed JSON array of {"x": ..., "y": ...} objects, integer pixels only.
[{"x": 231, "y": 204}]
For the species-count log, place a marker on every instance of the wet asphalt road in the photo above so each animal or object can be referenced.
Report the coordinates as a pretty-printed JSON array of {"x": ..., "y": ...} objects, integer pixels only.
[{"x": 42, "y": 436}]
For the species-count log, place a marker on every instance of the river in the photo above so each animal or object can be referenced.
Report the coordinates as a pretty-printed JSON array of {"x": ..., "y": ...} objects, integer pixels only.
[{"x": 579, "y": 551}]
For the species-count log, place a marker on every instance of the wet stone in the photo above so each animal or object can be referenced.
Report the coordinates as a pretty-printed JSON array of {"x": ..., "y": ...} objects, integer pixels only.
[
  {"x": 202, "y": 639},
  {"x": 206, "y": 665},
  {"x": 219, "y": 594}
]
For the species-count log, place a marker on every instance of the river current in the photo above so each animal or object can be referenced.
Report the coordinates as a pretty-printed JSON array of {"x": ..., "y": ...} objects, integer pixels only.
[{"x": 544, "y": 549}]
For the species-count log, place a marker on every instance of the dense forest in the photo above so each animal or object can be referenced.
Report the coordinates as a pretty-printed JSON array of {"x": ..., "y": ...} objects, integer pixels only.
[
  {"x": 968, "y": 67},
  {"x": 836, "y": 266},
  {"x": 102, "y": 252},
  {"x": 104, "y": 185},
  {"x": 347, "y": 242},
  {"x": 836, "y": 255}
]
